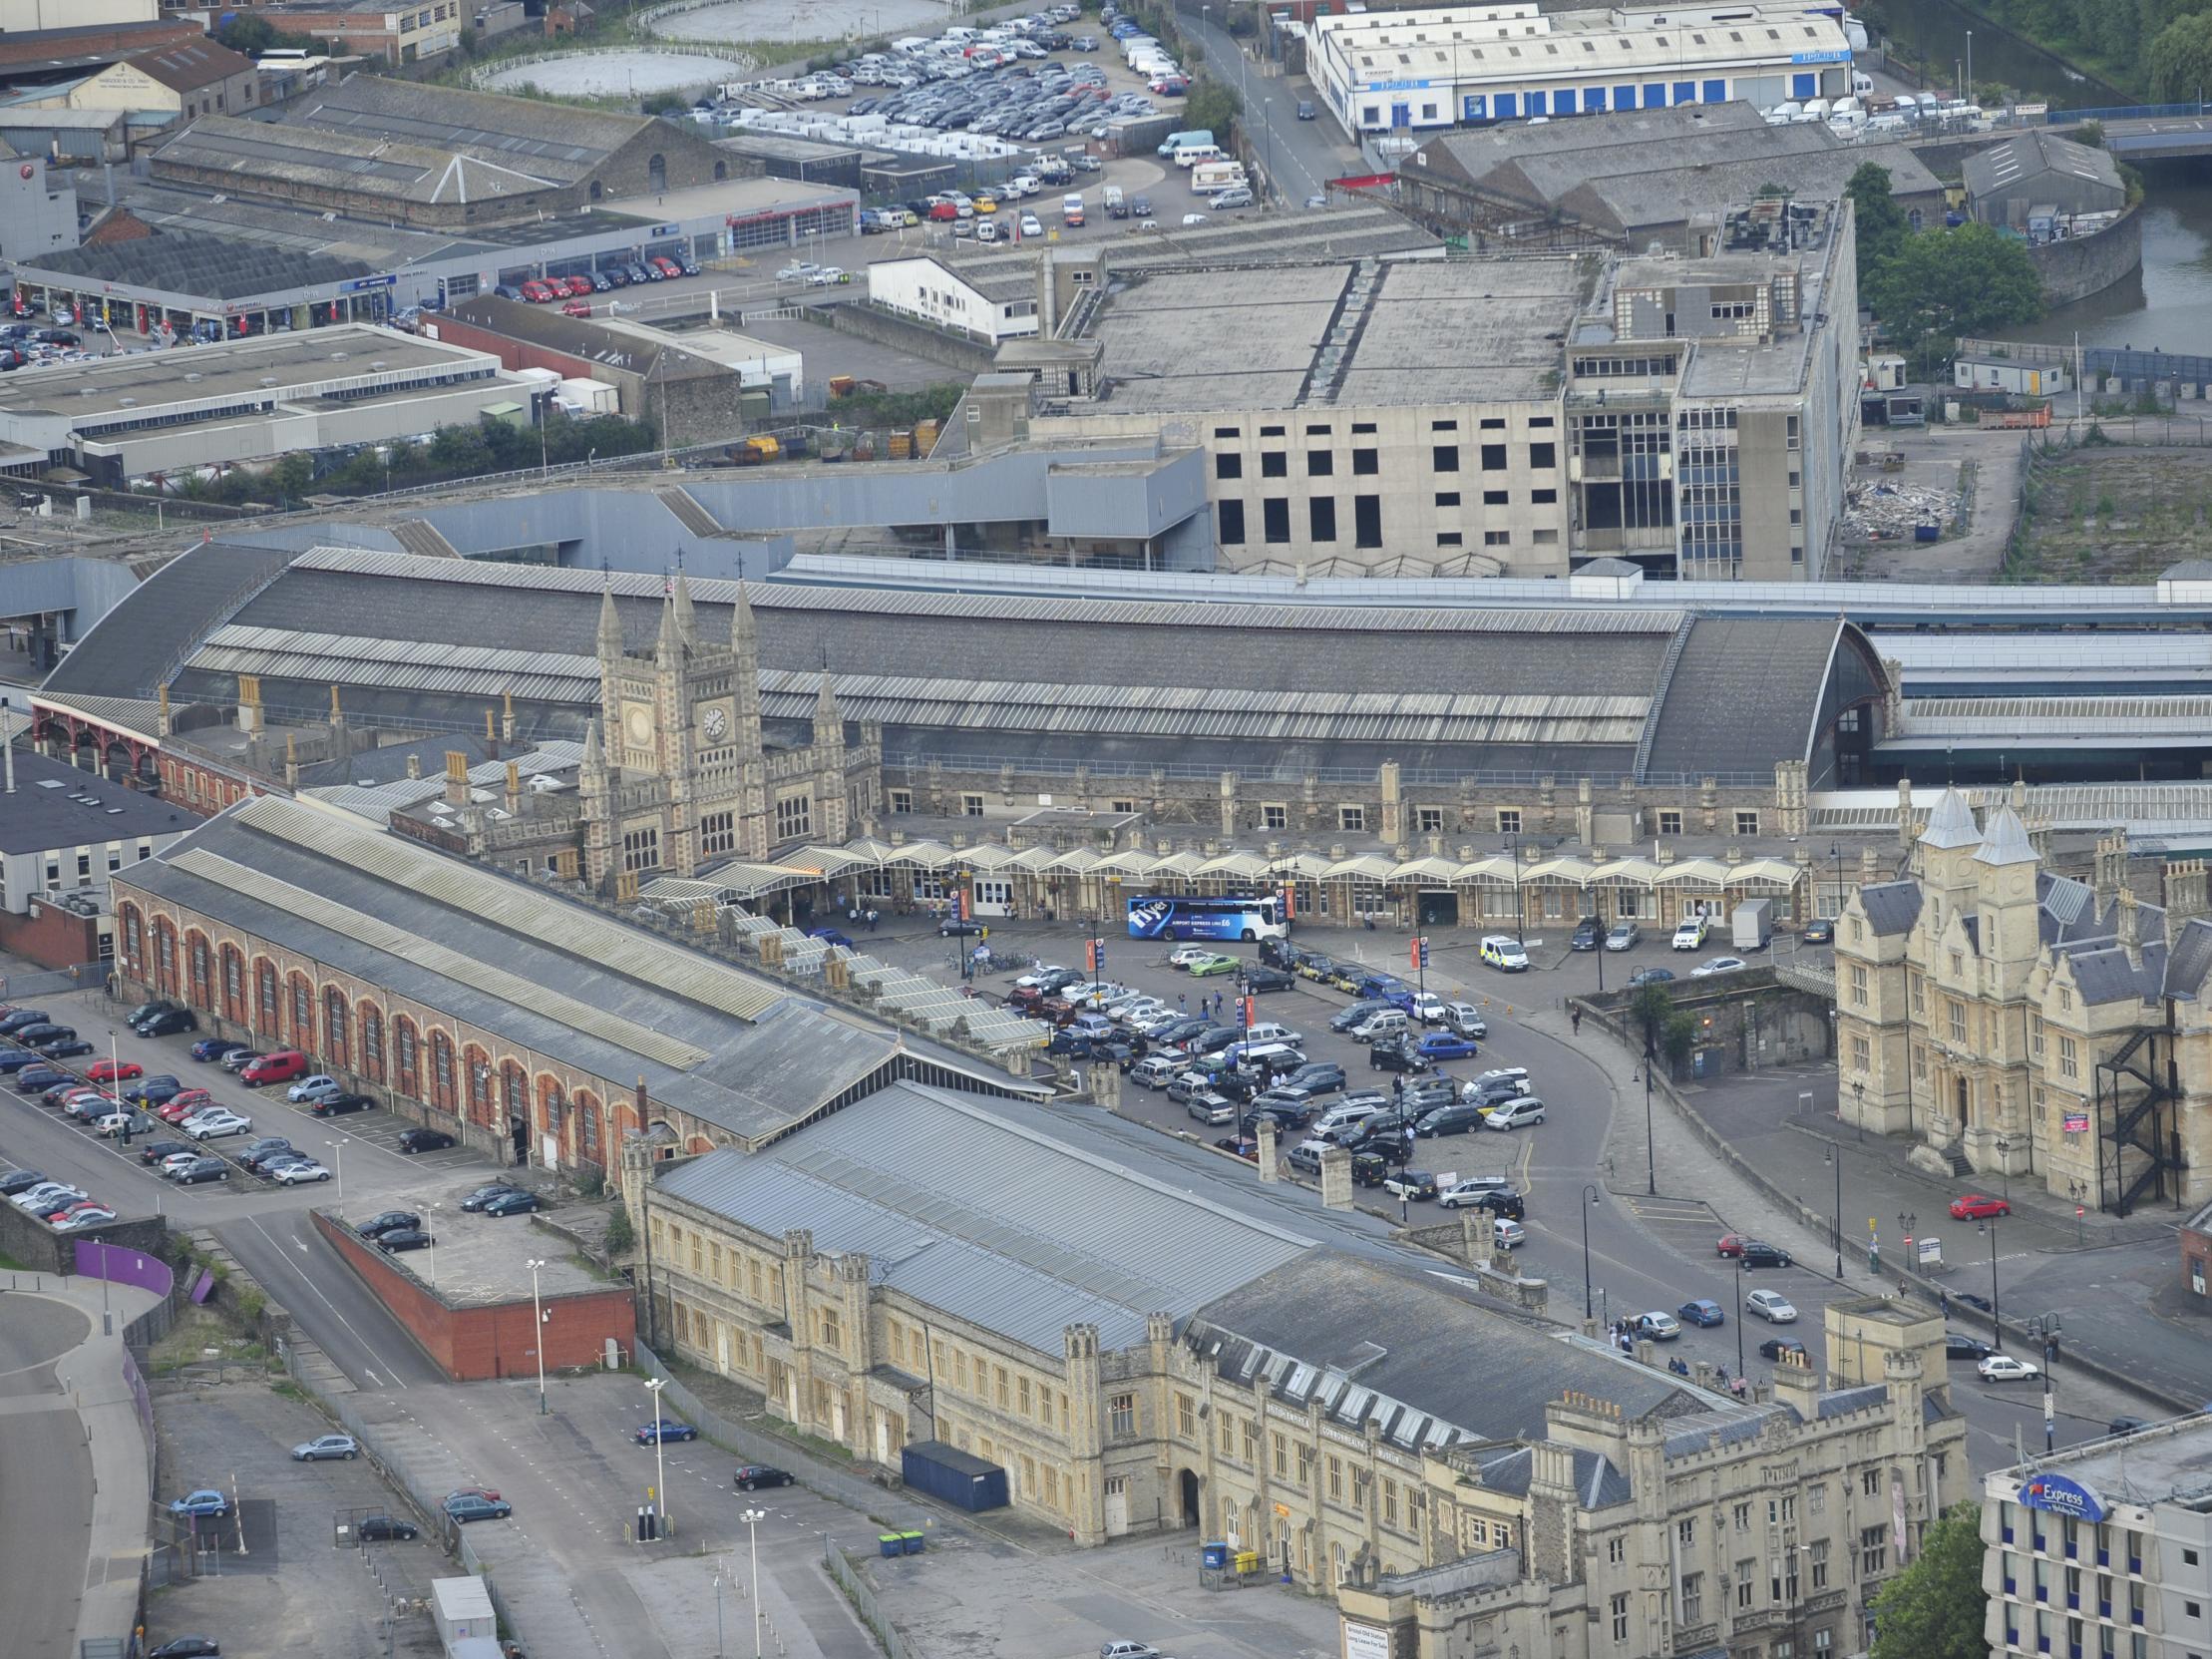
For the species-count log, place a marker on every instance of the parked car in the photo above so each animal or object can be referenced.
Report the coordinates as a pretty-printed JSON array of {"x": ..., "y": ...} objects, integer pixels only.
[
  {"x": 514, "y": 1203},
  {"x": 1625, "y": 935},
  {"x": 210, "y": 1048},
  {"x": 664, "y": 1431},
  {"x": 1775, "y": 1347},
  {"x": 1449, "y": 1121},
  {"x": 467, "y": 1506},
  {"x": 378, "y": 1528},
  {"x": 1821, "y": 930},
  {"x": 1771, "y": 1305},
  {"x": 205, "y": 1502},
  {"x": 187, "y": 1647},
  {"x": 1757, "y": 1253},
  {"x": 216, "y": 1124},
  {"x": 1396, "y": 1056},
  {"x": 1658, "y": 1324},
  {"x": 423, "y": 1140},
  {"x": 484, "y": 1194},
  {"x": 320, "y": 1087},
  {"x": 2002, "y": 1368},
  {"x": 339, "y": 1104},
  {"x": 752, "y": 1476},
  {"x": 1649, "y": 976},
  {"x": 201, "y": 1169},
  {"x": 1958, "y": 1346},
  {"x": 1588, "y": 934},
  {"x": 238, "y": 1060},
  {"x": 388, "y": 1221},
  {"x": 1435, "y": 1046},
  {"x": 156, "y": 1152},
  {"x": 402, "y": 1238},
  {"x": 1504, "y": 954},
  {"x": 299, "y": 1172},
  {"x": 1717, "y": 964},
  {"x": 325, "y": 1446},
  {"x": 1705, "y": 1313},
  {"x": 1514, "y": 1114},
  {"x": 1689, "y": 933},
  {"x": 1975, "y": 1206},
  {"x": 110, "y": 1072},
  {"x": 279, "y": 1068}
]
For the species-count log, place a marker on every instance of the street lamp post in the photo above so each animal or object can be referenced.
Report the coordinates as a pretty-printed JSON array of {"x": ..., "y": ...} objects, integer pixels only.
[
  {"x": 1650, "y": 1147},
  {"x": 1858, "y": 1103},
  {"x": 1996, "y": 1322},
  {"x": 2005, "y": 1145},
  {"x": 1590, "y": 1200},
  {"x": 1835, "y": 1160},
  {"x": 338, "y": 1148},
  {"x": 1514, "y": 841},
  {"x": 538, "y": 1334},
  {"x": 1737, "y": 1259},
  {"x": 432, "y": 1246},
  {"x": 660, "y": 1469},
  {"x": 753, "y": 1518}
]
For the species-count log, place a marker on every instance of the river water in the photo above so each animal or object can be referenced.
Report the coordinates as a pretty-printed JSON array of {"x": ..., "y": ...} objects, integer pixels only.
[{"x": 2169, "y": 303}]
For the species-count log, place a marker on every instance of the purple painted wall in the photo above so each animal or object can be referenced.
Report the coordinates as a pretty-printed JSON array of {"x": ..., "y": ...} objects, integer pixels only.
[{"x": 96, "y": 1260}]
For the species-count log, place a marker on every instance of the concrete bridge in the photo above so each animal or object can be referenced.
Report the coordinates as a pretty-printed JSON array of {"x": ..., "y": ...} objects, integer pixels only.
[{"x": 2147, "y": 133}]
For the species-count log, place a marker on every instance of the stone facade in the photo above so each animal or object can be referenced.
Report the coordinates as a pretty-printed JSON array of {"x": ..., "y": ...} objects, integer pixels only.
[
  {"x": 685, "y": 776},
  {"x": 2008, "y": 1020}
]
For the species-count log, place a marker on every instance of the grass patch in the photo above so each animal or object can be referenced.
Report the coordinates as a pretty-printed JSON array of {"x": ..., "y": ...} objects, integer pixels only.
[
  {"x": 8, "y": 1264},
  {"x": 799, "y": 1436},
  {"x": 198, "y": 1331}
]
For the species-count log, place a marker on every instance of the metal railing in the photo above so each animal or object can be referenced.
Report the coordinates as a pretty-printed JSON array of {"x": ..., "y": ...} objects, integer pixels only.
[{"x": 863, "y": 1597}]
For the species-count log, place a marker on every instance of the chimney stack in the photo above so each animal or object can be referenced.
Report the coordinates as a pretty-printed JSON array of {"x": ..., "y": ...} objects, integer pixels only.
[
  {"x": 457, "y": 779},
  {"x": 2186, "y": 895},
  {"x": 7, "y": 740},
  {"x": 514, "y": 787},
  {"x": 2126, "y": 923}
]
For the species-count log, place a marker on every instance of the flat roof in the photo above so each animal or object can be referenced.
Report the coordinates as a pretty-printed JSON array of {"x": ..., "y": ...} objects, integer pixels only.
[
  {"x": 189, "y": 264},
  {"x": 738, "y": 197},
  {"x": 2173, "y": 1461},
  {"x": 59, "y": 805},
  {"x": 297, "y": 363}
]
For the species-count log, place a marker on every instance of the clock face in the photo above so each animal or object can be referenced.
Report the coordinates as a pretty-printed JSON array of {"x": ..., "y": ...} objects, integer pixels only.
[
  {"x": 637, "y": 724},
  {"x": 715, "y": 723}
]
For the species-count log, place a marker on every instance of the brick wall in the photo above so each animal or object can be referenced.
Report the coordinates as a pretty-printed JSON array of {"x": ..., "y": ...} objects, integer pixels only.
[
  {"x": 38, "y": 1248},
  {"x": 473, "y": 1343},
  {"x": 54, "y": 938}
]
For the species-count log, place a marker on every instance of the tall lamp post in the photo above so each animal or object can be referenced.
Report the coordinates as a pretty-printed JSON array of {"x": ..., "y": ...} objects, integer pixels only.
[
  {"x": 752, "y": 1519},
  {"x": 1590, "y": 1201},
  {"x": 654, "y": 1385},
  {"x": 433, "y": 1245},
  {"x": 1650, "y": 1147},
  {"x": 1514, "y": 841},
  {"x": 338, "y": 1152},
  {"x": 1997, "y": 1323},
  {"x": 538, "y": 1334},
  {"x": 1834, "y": 1159},
  {"x": 1737, "y": 1259}
]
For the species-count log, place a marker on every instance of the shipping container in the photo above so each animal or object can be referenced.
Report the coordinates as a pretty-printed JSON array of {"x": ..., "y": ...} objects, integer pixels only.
[
  {"x": 1752, "y": 925},
  {"x": 945, "y": 1471}
]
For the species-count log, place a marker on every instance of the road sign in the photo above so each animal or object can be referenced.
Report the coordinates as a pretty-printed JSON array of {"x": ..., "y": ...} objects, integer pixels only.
[{"x": 1419, "y": 952}]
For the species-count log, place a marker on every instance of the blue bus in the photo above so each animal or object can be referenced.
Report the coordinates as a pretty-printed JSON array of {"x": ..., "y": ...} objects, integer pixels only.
[{"x": 1246, "y": 917}]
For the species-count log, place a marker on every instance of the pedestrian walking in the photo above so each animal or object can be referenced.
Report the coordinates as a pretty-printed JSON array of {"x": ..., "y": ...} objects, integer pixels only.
[
  {"x": 874, "y": 917},
  {"x": 1183, "y": 1002},
  {"x": 1574, "y": 1018},
  {"x": 1943, "y": 1302}
]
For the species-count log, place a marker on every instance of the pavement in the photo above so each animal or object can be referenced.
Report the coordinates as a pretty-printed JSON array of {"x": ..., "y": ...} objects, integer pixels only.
[{"x": 73, "y": 1543}]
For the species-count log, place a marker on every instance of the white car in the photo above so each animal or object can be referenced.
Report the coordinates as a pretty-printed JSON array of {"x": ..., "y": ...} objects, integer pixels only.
[
  {"x": 1429, "y": 1009},
  {"x": 798, "y": 273},
  {"x": 1030, "y": 227},
  {"x": 1514, "y": 1114},
  {"x": 213, "y": 1125},
  {"x": 1689, "y": 933},
  {"x": 175, "y": 1161},
  {"x": 1156, "y": 1021},
  {"x": 1190, "y": 219},
  {"x": 310, "y": 1089},
  {"x": 1036, "y": 978},
  {"x": 828, "y": 276},
  {"x": 2002, "y": 1368},
  {"x": 1509, "y": 1233},
  {"x": 1717, "y": 964},
  {"x": 116, "y": 1122},
  {"x": 292, "y": 1174},
  {"x": 1184, "y": 955},
  {"x": 1771, "y": 1305},
  {"x": 31, "y": 1197}
]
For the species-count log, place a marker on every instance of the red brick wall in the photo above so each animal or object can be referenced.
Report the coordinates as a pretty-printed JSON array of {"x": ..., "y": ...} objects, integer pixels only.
[
  {"x": 473, "y": 1343},
  {"x": 56, "y": 938}
]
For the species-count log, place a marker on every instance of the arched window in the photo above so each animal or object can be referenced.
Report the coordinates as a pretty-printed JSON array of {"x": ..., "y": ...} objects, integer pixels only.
[
  {"x": 588, "y": 1130},
  {"x": 407, "y": 1059},
  {"x": 656, "y": 171},
  {"x": 372, "y": 1042},
  {"x": 476, "y": 1077},
  {"x": 335, "y": 1027},
  {"x": 234, "y": 985},
  {"x": 552, "y": 1111},
  {"x": 199, "y": 970},
  {"x": 264, "y": 997},
  {"x": 165, "y": 957},
  {"x": 442, "y": 1092},
  {"x": 133, "y": 939},
  {"x": 303, "y": 1014},
  {"x": 721, "y": 170},
  {"x": 515, "y": 1092}
]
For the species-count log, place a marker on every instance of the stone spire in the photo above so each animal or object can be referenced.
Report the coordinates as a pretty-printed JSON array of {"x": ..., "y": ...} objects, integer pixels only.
[
  {"x": 1950, "y": 824},
  {"x": 828, "y": 718},
  {"x": 2006, "y": 840},
  {"x": 594, "y": 763},
  {"x": 673, "y": 639},
  {"x": 610, "y": 626},
  {"x": 687, "y": 623}
]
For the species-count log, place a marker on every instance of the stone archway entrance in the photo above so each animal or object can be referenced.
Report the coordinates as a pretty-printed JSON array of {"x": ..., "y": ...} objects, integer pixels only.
[{"x": 1187, "y": 1487}]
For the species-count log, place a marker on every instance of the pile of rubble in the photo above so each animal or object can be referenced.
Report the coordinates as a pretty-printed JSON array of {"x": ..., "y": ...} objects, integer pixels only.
[{"x": 1886, "y": 511}]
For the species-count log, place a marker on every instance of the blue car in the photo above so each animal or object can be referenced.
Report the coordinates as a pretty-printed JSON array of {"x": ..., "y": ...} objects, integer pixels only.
[
  {"x": 664, "y": 1431},
  {"x": 205, "y": 1502},
  {"x": 15, "y": 1060},
  {"x": 1701, "y": 1312},
  {"x": 1446, "y": 1045},
  {"x": 829, "y": 936}
]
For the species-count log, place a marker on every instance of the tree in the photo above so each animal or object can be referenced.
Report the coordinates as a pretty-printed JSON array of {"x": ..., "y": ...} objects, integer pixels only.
[
  {"x": 1932, "y": 1609},
  {"x": 1880, "y": 222},
  {"x": 293, "y": 476},
  {"x": 1944, "y": 283},
  {"x": 2180, "y": 59},
  {"x": 1212, "y": 106}
]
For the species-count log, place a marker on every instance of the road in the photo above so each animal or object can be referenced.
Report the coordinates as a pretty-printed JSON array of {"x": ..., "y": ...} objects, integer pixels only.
[
  {"x": 49, "y": 1471},
  {"x": 1303, "y": 155}
]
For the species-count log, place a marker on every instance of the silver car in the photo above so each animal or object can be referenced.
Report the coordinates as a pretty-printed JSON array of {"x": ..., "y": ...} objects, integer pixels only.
[
  {"x": 325, "y": 1446},
  {"x": 1625, "y": 936}
]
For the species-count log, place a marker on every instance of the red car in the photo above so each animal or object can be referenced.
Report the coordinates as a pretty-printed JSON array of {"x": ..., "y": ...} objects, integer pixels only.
[
  {"x": 279, "y": 1068},
  {"x": 943, "y": 211},
  {"x": 537, "y": 292},
  {"x": 1729, "y": 1244},
  {"x": 576, "y": 308},
  {"x": 666, "y": 266},
  {"x": 108, "y": 1072},
  {"x": 1975, "y": 1206},
  {"x": 183, "y": 1105}
]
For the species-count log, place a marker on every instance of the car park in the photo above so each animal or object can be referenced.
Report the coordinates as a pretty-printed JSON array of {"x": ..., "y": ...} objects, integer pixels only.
[
  {"x": 1504, "y": 954},
  {"x": 1771, "y": 1305},
  {"x": 326, "y": 1446},
  {"x": 2002, "y": 1368},
  {"x": 1703, "y": 1312}
]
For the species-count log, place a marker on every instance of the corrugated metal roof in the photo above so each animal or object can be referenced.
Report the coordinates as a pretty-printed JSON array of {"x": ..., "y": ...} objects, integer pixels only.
[{"x": 975, "y": 1212}]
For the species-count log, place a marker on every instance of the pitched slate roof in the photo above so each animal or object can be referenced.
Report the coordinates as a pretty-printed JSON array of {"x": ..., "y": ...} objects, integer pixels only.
[
  {"x": 1891, "y": 907},
  {"x": 995, "y": 1213}
]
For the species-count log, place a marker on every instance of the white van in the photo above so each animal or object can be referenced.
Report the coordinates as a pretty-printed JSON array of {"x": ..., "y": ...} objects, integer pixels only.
[
  {"x": 1344, "y": 1116},
  {"x": 1862, "y": 84},
  {"x": 1785, "y": 112},
  {"x": 1157, "y": 1072},
  {"x": 1270, "y": 1033},
  {"x": 1191, "y": 154},
  {"x": 1390, "y": 1022},
  {"x": 1817, "y": 110},
  {"x": 1210, "y": 176}
]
